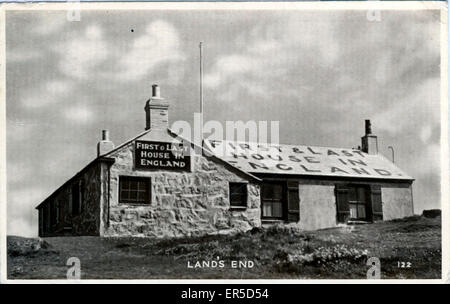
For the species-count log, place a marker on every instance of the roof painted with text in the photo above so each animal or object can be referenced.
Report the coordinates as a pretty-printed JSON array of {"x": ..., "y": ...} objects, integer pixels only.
[{"x": 260, "y": 158}]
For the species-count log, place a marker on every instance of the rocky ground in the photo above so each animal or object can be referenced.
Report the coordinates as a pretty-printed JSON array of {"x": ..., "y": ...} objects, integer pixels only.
[{"x": 409, "y": 248}]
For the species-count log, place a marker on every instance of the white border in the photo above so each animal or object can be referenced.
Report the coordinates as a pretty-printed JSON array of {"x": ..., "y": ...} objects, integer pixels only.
[
  {"x": 3, "y": 224},
  {"x": 370, "y": 5},
  {"x": 445, "y": 166}
]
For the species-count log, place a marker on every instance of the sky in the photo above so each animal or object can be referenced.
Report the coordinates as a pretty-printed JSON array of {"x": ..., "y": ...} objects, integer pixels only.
[{"x": 319, "y": 73}]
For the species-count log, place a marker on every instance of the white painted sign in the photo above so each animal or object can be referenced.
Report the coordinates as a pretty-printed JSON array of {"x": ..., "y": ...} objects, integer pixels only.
[{"x": 305, "y": 160}]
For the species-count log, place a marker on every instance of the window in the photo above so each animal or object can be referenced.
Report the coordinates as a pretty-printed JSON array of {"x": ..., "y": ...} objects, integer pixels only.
[
  {"x": 238, "y": 194},
  {"x": 272, "y": 201},
  {"x": 134, "y": 190},
  {"x": 357, "y": 202}
]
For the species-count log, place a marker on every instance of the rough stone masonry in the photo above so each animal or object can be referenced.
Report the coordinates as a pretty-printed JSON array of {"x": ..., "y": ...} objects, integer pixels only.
[{"x": 183, "y": 204}]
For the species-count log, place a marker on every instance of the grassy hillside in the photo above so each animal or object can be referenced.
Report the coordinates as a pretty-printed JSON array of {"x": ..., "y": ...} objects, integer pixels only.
[{"x": 277, "y": 252}]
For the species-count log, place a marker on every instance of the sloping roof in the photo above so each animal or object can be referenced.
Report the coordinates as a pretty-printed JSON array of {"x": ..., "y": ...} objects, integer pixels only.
[
  {"x": 95, "y": 160},
  {"x": 77, "y": 175},
  {"x": 260, "y": 158},
  {"x": 107, "y": 157},
  {"x": 214, "y": 157},
  {"x": 173, "y": 135}
]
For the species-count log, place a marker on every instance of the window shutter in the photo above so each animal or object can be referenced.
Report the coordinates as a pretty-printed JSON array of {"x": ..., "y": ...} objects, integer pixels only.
[
  {"x": 343, "y": 211},
  {"x": 377, "y": 203},
  {"x": 293, "y": 202}
]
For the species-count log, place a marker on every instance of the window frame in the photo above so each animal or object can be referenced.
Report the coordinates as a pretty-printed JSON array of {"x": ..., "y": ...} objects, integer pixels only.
[
  {"x": 348, "y": 197},
  {"x": 244, "y": 195},
  {"x": 148, "y": 182},
  {"x": 270, "y": 201},
  {"x": 361, "y": 200}
]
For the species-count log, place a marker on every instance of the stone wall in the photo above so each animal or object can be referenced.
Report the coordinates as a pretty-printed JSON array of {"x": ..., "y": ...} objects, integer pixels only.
[
  {"x": 182, "y": 204},
  {"x": 397, "y": 201},
  {"x": 88, "y": 221}
]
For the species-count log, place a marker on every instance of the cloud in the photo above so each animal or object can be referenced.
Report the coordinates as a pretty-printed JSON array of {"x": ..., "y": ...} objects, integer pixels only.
[
  {"x": 264, "y": 46},
  {"x": 19, "y": 129},
  {"x": 49, "y": 93},
  {"x": 158, "y": 45},
  {"x": 80, "y": 55},
  {"x": 270, "y": 52},
  {"x": 58, "y": 86},
  {"x": 78, "y": 114},
  {"x": 229, "y": 66},
  {"x": 50, "y": 23},
  {"x": 23, "y": 226},
  {"x": 17, "y": 172},
  {"x": 425, "y": 133},
  {"x": 23, "y": 198},
  {"x": 419, "y": 105},
  {"x": 21, "y": 55},
  {"x": 432, "y": 153},
  {"x": 91, "y": 53},
  {"x": 22, "y": 217},
  {"x": 58, "y": 94}
]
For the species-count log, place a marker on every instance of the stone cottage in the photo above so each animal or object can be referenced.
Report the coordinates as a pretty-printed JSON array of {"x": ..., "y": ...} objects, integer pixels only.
[{"x": 153, "y": 185}]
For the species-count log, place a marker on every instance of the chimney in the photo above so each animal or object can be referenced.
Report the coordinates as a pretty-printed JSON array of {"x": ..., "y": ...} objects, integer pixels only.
[
  {"x": 156, "y": 111},
  {"x": 105, "y": 145},
  {"x": 369, "y": 142}
]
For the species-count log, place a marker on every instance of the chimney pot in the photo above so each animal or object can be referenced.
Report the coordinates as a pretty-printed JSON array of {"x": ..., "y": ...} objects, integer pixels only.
[
  {"x": 368, "y": 127},
  {"x": 105, "y": 145},
  {"x": 369, "y": 142},
  {"x": 156, "y": 93},
  {"x": 105, "y": 135},
  {"x": 156, "y": 111}
]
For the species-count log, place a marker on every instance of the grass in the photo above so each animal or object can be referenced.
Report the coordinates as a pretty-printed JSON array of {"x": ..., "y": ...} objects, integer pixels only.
[{"x": 278, "y": 252}]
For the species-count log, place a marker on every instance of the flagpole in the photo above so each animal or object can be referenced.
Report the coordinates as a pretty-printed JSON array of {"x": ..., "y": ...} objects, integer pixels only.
[{"x": 201, "y": 93}]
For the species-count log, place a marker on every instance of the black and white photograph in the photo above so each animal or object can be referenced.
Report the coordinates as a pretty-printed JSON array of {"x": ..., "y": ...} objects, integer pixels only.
[{"x": 224, "y": 141}]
